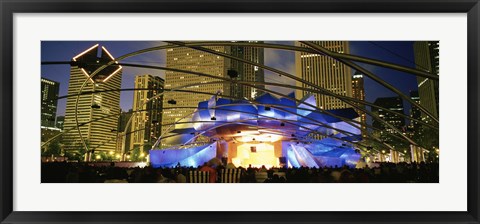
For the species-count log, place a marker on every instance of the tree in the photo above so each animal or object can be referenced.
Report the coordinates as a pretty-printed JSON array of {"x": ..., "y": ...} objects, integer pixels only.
[
  {"x": 53, "y": 149},
  {"x": 135, "y": 155},
  {"x": 79, "y": 152}
]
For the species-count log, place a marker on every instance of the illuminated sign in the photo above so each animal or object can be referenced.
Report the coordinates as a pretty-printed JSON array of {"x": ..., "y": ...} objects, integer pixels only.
[{"x": 88, "y": 62}]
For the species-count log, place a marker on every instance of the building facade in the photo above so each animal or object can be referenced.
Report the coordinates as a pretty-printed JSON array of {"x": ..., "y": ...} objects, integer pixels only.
[
  {"x": 49, "y": 93},
  {"x": 358, "y": 92},
  {"x": 123, "y": 141},
  {"x": 427, "y": 59},
  {"x": 198, "y": 61},
  {"x": 147, "y": 116},
  {"x": 247, "y": 72},
  {"x": 325, "y": 72},
  {"x": 394, "y": 104},
  {"x": 97, "y": 112},
  {"x": 415, "y": 128},
  {"x": 60, "y": 121}
]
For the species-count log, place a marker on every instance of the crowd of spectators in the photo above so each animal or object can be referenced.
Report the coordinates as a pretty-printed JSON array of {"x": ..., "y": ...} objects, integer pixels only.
[{"x": 65, "y": 172}]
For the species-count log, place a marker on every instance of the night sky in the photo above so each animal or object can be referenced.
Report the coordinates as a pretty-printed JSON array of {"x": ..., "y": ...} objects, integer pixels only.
[{"x": 398, "y": 52}]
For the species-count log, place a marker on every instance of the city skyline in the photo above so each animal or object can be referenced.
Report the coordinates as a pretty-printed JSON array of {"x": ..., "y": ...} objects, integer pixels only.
[{"x": 282, "y": 60}]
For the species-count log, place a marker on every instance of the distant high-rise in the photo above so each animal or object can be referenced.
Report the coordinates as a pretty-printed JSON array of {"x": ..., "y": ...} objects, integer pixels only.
[
  {"x": 145, "y": 126},
  {"x": 427, "y": 59},
  {"x": 60, "y": 121},
  {"x": 415, "y": 112},
  {"x": 123, "y": 141},
  {"x": 99, "y": 109},
  {"x": 198, "y": 61},
  {"x": 358, "y": 92},
  {"x": 393, "y": 104},
  {"x": 50, "y": 91},
  {"x": 325, "y": 72},
  {"x": 247, "y": 72}
]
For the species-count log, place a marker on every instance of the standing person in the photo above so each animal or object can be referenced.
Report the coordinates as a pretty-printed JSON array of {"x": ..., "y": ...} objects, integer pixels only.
[
  {"x": 181, "y": 178},
  {"x": 213, "y": 172}
]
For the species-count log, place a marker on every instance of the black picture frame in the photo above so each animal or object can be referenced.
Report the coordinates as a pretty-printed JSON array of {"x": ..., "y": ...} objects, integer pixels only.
[{"x": 9, "y": 7}]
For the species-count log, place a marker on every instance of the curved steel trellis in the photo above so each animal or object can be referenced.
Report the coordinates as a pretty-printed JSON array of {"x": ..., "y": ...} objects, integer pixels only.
[
  {"x": 324, "y": 92},
  {"x": 356, "y": 58}
]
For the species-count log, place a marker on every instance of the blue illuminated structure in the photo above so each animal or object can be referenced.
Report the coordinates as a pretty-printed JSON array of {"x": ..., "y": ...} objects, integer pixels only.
[{"x": 267, "y": 131}]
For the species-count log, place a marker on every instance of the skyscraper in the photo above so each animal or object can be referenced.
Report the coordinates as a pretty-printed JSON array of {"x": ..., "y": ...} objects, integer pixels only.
[
  {"x": 100, "y": 109},
  {"x": 427, "y": 59},
  {"x": 145, "y": 126},
  {"x": 247, "y": 72},
  {"x": 415, "y": 127},
  {"x": 50, "y": 91},
  {"x": 325, "y": 72},
  {"x": 393, "y": 104},
  {"x": 198, "y": 61},
  {"x": 123, "y": 141},
  {"x": 358, "y": 92}
]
